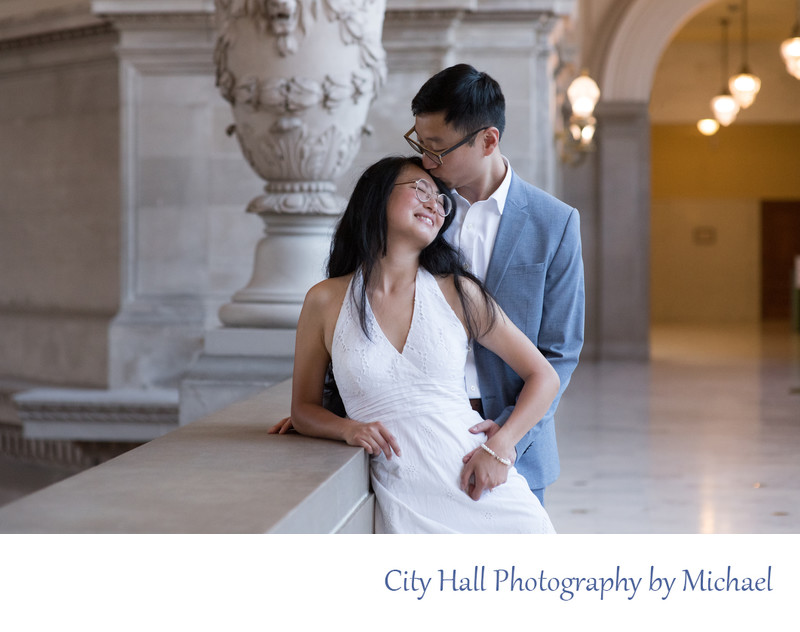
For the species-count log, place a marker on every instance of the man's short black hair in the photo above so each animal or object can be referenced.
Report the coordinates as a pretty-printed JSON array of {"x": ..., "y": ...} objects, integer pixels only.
[{"x": 470, "y": 99}]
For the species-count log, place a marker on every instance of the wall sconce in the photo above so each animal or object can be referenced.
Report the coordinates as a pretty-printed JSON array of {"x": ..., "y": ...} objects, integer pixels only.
[{"x": 579, "y": 121}]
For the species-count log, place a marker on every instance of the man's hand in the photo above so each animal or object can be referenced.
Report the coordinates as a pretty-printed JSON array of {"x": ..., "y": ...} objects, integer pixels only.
[{"x": 282, "y": 427}]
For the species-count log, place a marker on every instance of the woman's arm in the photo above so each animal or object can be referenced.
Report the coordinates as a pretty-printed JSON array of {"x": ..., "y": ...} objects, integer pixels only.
[
  {"x": 541, "y": 383},
  {"x": 312, "y": 356}
]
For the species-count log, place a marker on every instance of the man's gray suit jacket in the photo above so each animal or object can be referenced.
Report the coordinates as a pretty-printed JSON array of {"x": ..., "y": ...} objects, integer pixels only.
[{"x": 536, "y": 275}]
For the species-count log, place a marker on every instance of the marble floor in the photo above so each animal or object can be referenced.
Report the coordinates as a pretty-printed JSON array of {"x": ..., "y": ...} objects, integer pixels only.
[{"x": 705, "y": 438}]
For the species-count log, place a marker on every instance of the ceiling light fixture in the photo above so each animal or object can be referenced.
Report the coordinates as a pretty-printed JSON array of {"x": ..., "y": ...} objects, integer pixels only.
[
  {"x": 708, "y": 126},
  {"x": 724, "y": 106},
  {"x": 745, "y": 86},
  {"x": 790, "y": 48}
]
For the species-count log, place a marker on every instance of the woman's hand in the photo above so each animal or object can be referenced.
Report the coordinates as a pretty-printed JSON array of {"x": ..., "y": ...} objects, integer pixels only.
[
  {"x": 489, "y": 428},
  {"x": 282, "y": 427},
  {"x": 483, "y": 472},
  {"x": 373, "y": 437}
]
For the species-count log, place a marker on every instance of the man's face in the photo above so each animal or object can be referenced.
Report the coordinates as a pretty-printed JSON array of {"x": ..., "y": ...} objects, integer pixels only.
[{"x": 460, "y": 166}]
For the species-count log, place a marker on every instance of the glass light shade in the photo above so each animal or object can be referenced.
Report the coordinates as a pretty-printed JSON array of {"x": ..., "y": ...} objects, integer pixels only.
[
  {"x": 725, "y": 109},
  {"x": 744, "y": 88},
  {"x": 587, "y": 133},
  {"x": 708, "y": 126},
  {"x": 790, "y": 51},
  {"x": 583, "y": 95},
  {"x": 582, "y": 129}
]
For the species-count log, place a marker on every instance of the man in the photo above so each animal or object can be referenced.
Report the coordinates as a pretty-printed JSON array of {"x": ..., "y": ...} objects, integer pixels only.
[{"x": 523, "y": 243}]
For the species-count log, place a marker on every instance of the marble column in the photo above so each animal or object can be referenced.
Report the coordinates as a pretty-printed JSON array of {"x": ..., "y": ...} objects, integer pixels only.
[
  {"x": 173, "y": 156},
  {"x": 622, "y": 239},
  {"x": 172, "y": 195}
]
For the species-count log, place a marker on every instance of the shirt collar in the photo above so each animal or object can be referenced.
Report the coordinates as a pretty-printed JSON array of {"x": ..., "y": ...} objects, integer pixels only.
[
  {"x": 501, "y": 193},
  {"x": 498, "y": 196}
]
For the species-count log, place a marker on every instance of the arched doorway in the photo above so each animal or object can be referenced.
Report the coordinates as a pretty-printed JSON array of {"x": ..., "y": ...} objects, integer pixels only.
[
  {"x": 722, "y": 235},
  {"x": 627, "y": 54}
]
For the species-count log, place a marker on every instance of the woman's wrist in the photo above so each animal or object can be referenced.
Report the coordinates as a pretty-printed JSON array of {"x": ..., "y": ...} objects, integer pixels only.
[
  {"x": 503, "y": 449},
  {"x": 505, "y": 461}
]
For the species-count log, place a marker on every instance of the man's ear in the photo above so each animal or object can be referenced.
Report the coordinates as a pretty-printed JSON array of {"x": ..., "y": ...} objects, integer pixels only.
[{"x": 491, "y": 139}]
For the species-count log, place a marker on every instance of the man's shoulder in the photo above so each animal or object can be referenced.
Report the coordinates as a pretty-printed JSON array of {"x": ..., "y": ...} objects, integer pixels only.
[
  {"x": 523, "y": 191},
  {"x": 540, "y": 209}
]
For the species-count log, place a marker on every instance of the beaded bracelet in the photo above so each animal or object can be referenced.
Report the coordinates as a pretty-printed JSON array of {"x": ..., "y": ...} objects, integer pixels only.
[{"x": 506, "y": 462}]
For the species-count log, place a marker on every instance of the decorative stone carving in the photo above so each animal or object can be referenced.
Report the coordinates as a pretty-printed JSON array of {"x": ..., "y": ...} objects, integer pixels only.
[{"x": 300, "y": 76}]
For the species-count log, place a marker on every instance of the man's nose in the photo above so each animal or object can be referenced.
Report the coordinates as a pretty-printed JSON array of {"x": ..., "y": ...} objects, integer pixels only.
[{"x": 428, "y": 163}]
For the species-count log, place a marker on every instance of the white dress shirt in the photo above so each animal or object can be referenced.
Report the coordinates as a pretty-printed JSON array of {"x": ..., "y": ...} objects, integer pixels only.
[{"x": 473, "y": 231}]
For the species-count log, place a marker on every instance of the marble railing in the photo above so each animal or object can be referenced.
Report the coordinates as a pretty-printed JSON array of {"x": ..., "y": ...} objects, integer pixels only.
[{"x": 220, "y": 474}]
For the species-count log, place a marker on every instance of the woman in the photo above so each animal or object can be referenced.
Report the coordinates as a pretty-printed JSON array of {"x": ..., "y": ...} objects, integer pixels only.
[{"x": 394, "y": 319}]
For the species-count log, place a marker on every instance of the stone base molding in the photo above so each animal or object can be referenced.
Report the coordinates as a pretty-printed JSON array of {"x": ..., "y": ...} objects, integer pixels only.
[
  {"x": 236, "y": 363},
  {"x": 72, "y": 455},
  {"x": 94, "y": 415}
]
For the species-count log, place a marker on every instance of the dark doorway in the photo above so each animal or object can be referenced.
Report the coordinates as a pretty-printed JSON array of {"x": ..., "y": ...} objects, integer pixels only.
[{"x": 780, "y": 244}]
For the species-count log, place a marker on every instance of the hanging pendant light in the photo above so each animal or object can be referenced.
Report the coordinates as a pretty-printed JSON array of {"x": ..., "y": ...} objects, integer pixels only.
[
  {"x": 723, "y": 105},
  {"x": 745, "y": 86},
  {"x": 790, "y": 48},
  {"x": 708, "y": 126}
]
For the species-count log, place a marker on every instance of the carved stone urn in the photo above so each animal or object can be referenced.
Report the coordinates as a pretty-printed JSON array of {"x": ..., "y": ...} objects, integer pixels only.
[{"x": 300, "y": 76}]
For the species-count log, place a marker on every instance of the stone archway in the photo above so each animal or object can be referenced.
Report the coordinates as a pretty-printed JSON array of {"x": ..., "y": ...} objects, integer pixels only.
[
  {"x": 637, "y": 42},
  {"x": 617, "y": 218}
]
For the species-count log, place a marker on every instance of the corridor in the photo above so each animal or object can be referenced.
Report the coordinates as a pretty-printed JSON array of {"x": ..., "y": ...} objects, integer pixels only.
[{"x": 703, "y": 439}]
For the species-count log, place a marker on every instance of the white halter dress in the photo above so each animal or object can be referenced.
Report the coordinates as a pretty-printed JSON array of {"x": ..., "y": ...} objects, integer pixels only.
[{"x": 419, "y": 396}]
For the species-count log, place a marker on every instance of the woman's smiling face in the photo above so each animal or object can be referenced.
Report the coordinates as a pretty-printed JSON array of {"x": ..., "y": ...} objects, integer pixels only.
[{"x": 406, "y": 215}]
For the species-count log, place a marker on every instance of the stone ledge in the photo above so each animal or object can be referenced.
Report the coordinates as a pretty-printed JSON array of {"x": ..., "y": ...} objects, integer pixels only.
[{"x": 220, "y": 474}]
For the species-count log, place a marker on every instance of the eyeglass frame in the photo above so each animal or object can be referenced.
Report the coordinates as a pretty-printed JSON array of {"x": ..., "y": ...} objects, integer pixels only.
[
  {"x": 435, "y": 196},
  {"x": 437, "y": 156}
]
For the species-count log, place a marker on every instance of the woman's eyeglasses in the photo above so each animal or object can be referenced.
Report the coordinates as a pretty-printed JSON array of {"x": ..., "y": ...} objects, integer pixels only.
[{"x": 425, "y": 193}]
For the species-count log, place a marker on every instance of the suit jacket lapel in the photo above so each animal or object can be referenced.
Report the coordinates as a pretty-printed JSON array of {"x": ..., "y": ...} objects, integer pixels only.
[{"x": 509, "y": 232}]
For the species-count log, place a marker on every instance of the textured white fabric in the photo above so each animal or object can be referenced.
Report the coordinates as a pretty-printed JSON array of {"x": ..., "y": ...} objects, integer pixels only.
[{"x": 419, "y": 396}]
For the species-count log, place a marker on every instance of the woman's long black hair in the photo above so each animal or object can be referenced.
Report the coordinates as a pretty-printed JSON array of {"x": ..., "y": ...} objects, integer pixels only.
[{"x": 360, "y": 240}]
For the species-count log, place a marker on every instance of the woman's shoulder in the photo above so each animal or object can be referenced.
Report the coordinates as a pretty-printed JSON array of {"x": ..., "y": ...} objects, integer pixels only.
[
  {"x": 329, "y": 292},
  {"x": 447, "y": 284},
  {"x": 481, "y": 309}
]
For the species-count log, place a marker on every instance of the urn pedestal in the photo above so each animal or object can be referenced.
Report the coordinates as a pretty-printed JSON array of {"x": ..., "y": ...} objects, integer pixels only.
[{"x": 300, "y": 77}]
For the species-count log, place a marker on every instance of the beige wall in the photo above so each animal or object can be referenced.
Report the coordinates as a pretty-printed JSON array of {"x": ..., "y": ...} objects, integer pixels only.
[
  {"x": 705, "y": 222},
  {"x": 705, "y": 260}
]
